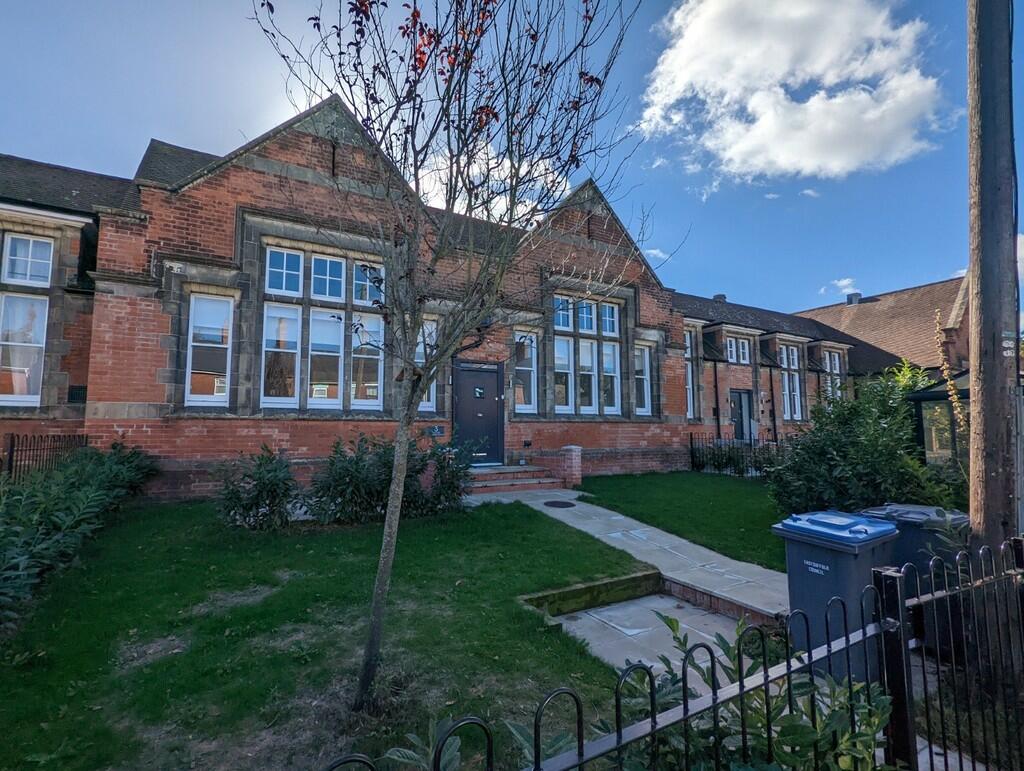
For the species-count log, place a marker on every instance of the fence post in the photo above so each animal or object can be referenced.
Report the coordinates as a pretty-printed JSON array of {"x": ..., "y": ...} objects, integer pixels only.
[
  {"x": 10, "y": 455},
  {"x": 901, "y": 747}
]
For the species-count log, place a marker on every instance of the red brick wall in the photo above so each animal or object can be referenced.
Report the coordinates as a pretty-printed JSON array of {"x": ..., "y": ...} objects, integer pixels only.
[{"x": 126, "y": 351}]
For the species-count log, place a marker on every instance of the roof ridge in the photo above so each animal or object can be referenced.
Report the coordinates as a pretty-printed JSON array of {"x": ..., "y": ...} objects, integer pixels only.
[
  {"x": 66, "y": 168},
  {"x": 181, "y": 147},
  {"x": 882, "y": 294}
]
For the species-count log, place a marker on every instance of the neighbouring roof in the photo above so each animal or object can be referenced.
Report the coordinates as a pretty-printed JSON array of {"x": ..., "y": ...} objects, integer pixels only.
[
  {"x": 900, "y": 322},
  {"x": 165, "y": 163},
  {"x": 48, "y": 186},
  {"x": 864, "y": 357}
]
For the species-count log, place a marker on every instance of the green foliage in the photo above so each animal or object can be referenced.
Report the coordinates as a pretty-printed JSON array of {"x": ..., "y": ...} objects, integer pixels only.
[
  {"x": 354, "y": 486},
  {"x": 257, "y": 491},
  {"x": 421, "y": 754},
  {"x": 859, "y": 452},
  {"x": 45, "y": 517}
]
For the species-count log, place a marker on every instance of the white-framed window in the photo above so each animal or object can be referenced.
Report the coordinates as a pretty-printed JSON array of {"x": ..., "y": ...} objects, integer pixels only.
[
  {"x": 428, "y": 336},
  {"x": 610, "y": 379},
  {"x": 642, "y": 379},
  {"x": 789, "y": 359},
  {"x": 564, "y": 387},
  {"x": 524, "y": 380},
  {"x": 367, "y": 361},
  {"x": 367, "y": 284},
  {"x": 833, "y": 373},
  {"x": 563, "y": 313},
  {"x": 22, "y": 348},
  {"x": 284, "y": 272},
  {"x": 744, "y": 350},
  {"x": 328, "y": 278},
  {"x": 730, "y": 349},
  {"x": 28, "y": 260},
  {"x": 609, "y": 319},
  {"x": 208, "y": 372},
  {"x": 588, "y": 377},
  {"x": 282, "y": 330},
  {"x": 586, "y": 317},
  {"x": 326, "y": 359},
  {"x": 690, "y": 385}
]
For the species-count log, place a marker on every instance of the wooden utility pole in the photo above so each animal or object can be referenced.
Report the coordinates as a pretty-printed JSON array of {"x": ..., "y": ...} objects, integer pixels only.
[{"x": 992, "y": 272}]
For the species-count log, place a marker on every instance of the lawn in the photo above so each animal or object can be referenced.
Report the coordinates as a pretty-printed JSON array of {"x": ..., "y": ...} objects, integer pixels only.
[
  {"x": 177, "y": 642},
  {"x": 724, "y": 513}
]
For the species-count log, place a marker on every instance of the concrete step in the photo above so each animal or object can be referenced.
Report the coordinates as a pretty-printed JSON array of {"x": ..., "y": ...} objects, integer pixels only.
[
  {"x": 493, "y": 473},
  {"x": 514, "y": 485}
]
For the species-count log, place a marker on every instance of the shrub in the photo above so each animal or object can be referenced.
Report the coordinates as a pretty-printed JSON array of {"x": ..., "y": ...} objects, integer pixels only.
[
  {"x": 257, "y": 491},
  {"x": 354, "y": 486},
  {"x": 858, "y": 453},
  {"x": 45, "y": 517}
]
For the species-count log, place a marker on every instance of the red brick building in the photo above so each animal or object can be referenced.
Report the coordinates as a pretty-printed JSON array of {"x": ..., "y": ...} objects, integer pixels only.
[{"x": 193, "y": 309}]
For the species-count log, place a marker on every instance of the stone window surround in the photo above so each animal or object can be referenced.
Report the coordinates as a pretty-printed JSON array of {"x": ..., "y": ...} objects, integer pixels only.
[
  {"x": 64, "y": 305},
  {"x": 257, "y": 232},
  {"x": 542, "y": 325}
]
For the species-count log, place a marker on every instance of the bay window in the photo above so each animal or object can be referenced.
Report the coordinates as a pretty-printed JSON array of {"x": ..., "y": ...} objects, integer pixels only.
[
  {"x": 609, "y": 319},
  {"x": 563, "y": 313},
  {"x": 642, "y": 379},
  {"x": 563, "y": 375},
  {"x": 22, "y": 347},
  {"x": 328, "y": 280},
  {"x": 428, "y": 336},
  {"x": 367, "y": 361},
  {"x": 326, "y": 345},
  {"x": 610, "y": 379},
  {"x": 730, "y": 349},
  {"x": 209, "y": 350},
  {"x": 833, "y": 374},
  {"x": 744, "y": 351},
  {"x": 281, "y": 333},
  {"x": 524, "y": 381},
  {"x": 368, "y": 284},
  {"x": 588, "y": 377},
  {"x": 690, "y": 387},
  {"x": 27, "y": 260},
  {"x": 789, "y": 359},
  {"x": 284, "y": 272},
  {"x": 586, "y": 317}
]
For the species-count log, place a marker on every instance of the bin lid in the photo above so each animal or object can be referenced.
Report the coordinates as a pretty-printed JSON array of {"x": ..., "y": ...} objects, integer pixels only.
[
  {"x": 917, "y": 514},
  {"x": 837, "y": 527}
]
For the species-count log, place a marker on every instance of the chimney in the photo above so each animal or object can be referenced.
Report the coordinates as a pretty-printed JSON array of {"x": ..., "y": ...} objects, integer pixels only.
[
  {"x": 853, "y": 298},
  {"x": 719, "y": 298}
]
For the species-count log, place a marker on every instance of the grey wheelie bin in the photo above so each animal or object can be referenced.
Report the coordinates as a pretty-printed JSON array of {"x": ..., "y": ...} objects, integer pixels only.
[
  {"x": 921, "y": 538},
  {"x": 831, "y": 554}
]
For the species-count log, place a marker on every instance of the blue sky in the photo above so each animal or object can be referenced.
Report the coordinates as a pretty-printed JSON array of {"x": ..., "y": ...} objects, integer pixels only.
[{"x": 773, "y": 212}]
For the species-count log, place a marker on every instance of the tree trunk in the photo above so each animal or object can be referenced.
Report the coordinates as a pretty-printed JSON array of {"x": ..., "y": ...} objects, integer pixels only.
[
  {"x": 992, "y": 273},
  {"x": 371, "y": 655}
]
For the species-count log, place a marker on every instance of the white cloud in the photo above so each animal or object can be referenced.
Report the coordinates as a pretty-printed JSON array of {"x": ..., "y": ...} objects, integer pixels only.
[
  {"x": 960, "y": 273},
  {"x": 792, "y": 87},
  {"x": 658, "y": 162},
  {"x": 658, "y": 255},
  {"x": 771, "y": 196},
  {"x": 845, "y": 285},
  {"x": 810, "y": 192},
  {"x": 823, "y": 290}
]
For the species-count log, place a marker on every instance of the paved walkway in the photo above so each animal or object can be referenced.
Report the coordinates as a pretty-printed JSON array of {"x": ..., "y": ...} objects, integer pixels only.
[{"x": 743, "y": 583}]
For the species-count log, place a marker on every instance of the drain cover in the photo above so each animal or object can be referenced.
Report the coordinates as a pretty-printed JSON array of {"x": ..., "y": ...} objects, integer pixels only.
[{"x": 559, "y": 504}]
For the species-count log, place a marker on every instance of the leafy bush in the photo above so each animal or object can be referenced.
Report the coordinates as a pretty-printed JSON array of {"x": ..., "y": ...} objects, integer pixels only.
[
  {"x": 257, "y": 491},
  {"x": 45, "y": 517},
  {"x": 859, "y": 453},
  {"x": 353, "y": 488}
]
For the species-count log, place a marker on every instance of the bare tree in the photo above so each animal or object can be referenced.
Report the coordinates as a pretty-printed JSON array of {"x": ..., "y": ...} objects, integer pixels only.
[{"x": 486, "y": 109}]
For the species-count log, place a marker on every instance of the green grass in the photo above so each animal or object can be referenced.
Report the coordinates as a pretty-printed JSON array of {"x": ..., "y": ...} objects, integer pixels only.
[
  {"x": 264, "y": 685},
  {"x": 727, "y": 514}
]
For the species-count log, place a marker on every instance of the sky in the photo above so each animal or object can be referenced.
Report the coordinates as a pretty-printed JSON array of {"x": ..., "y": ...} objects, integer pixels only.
[{"x": 789, "y": 150}]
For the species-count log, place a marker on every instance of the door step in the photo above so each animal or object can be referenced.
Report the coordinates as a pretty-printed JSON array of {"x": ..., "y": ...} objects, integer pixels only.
[{"x": 508, "y": 479}]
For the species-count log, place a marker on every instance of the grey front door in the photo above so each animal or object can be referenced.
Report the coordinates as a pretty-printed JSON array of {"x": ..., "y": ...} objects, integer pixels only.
[
  {"x": 741, "y": 404},
  {"x": 480, "y": 410}
]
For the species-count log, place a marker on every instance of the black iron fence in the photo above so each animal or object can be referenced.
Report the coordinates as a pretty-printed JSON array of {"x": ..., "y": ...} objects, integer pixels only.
[
  {"x": 739, "y": 457},
  {"x": 22, "y": 453},
  {"x": 926, "y": 673}
]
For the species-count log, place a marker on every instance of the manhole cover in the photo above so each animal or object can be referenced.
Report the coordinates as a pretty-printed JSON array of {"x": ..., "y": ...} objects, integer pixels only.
[{"x": 559, "y": 504}]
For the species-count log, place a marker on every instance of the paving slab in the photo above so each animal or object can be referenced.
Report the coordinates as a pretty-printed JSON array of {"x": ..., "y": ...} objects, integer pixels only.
[{"x": 742, "y": 583}]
